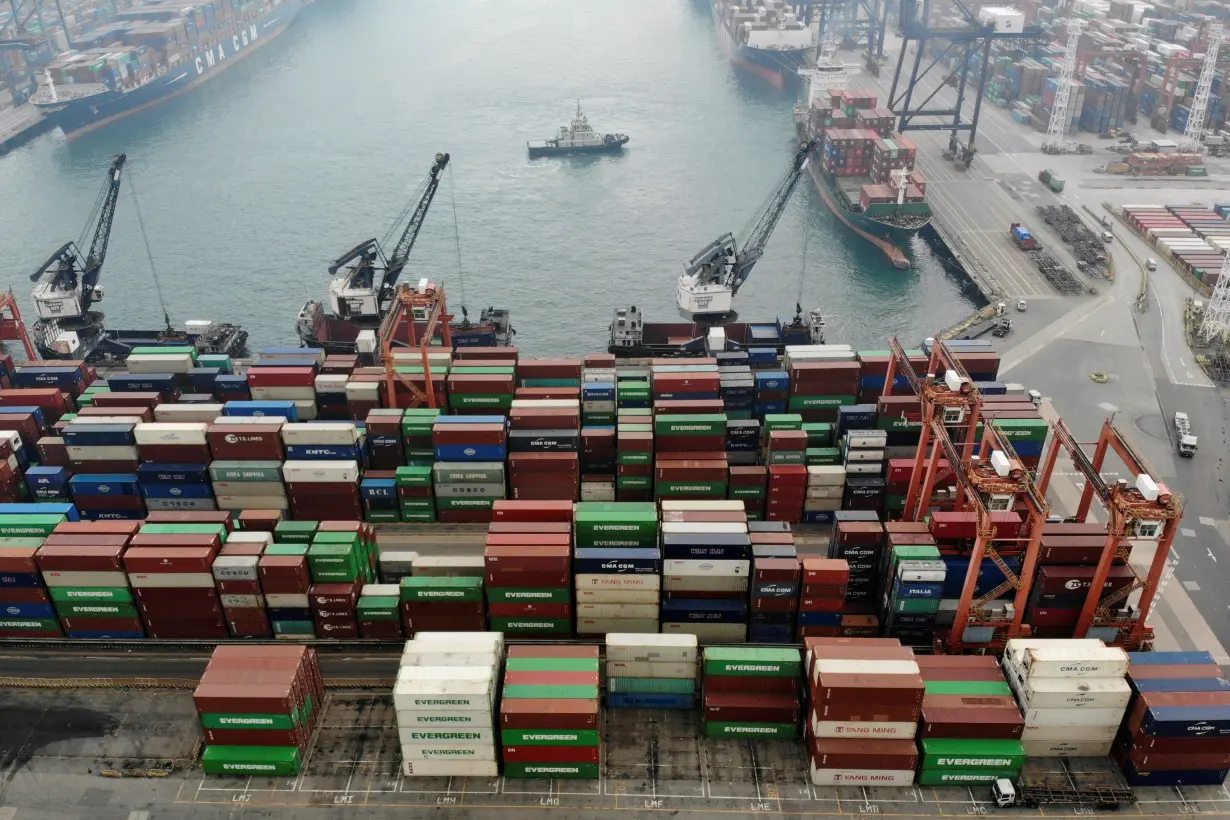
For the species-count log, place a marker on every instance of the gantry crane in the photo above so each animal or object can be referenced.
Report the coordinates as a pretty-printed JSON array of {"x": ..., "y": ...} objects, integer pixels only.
[
  {"x": 421, "y": 310},
  {"x": 16, "y": 33},
  {"x": 970, "y": 37},
  {"x": 365, "y": 279},
  {"x": 712, "y": 277},
  {"x": 1144, "y": 510},
  {"x": 1193, "y": 134},
  {"x": 1057, "y": 127},
  {"x": 991, "y": 481}
]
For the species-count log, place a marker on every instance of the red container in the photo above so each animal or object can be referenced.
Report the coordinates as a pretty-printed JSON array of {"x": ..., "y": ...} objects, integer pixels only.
[
  {"x": 860, "y": 753},
  {"x": 552, "y": 463},
  {"x": 549, "y": 559},
  {"x": 246, "y": 442},
  {"x": 168, "y": 559},
  {"x": 996, "y": 723},
  {"x": 549, "y": 369},
  {"x": 522, "y": 539},
  {"x": 16, "y": 560},
  {"x": 551, "y": 754},
  {"x": 117, "y": 625},
  {"x": 504, "y": 527},
  {"x": 739, "y": 707},
  {"x": 740, "y": 684},
  {"x": 533, "y": 511},
  {"x": 534, "y": 713},
  {"x": 1178, "y": 672},
  {"x": 80, "y": 559},
  {"x": 281, "y": 376},
  {"x": 952, "y": 526},
  {"x": 552, "y": 611}
]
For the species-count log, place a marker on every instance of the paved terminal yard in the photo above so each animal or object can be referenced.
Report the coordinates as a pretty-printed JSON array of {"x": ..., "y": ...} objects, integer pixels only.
[{"x": 61, "y": 752}]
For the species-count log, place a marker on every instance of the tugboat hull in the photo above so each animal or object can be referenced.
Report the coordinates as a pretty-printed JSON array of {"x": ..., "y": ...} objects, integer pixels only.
[{"x": 537, "y": 151}]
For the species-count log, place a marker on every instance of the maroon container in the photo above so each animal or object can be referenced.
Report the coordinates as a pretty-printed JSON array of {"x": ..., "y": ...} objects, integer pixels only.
[
  {"x": 162, "y": 611},
  {"x": 739, "y": 707},
  {"x": 549, "y": 369},
  {"x": 102, "y": 624},
  {"x": 552, "y": 611},
  {"x": 442, "y": 609},
  {"x": 256, "y": 737},
  {"x": 148, "y": 399},
  {"x": 543, "y": 559},
  {"x": 503, "y": 527},
  {"x": 550, "y": 754},
  {"x": 993, "y": 722},
  {"x": 381, "y": 630},
  {"x": 865, "y": 713},
  {"x": 80, "y": 558},
  {"x": 281, "y": 377},
  {"x": 1180, "y": 745},
  {"x": 859, "y": 533},
  {"x": 22, "y": 595},
  {"x": 566, "y": 464},
  {"x": 334, "y": 595},
  {"x": 739, "y": 683},
  {"x": 534, "y": 713},
  {"x": 530, "y": 539},
  {"x": 463, "y": 516},
  {"x": 338, "y": 631},
  {"x": 246, "y": 442},
  {"x": 859, "y": 753},
  {"x": 443, "y": 434},
  {"x": 544, "y": 419},
  {"x": 168, "y": 559}
]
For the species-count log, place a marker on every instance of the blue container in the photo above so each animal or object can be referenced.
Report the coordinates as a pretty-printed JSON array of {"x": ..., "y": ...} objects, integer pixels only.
[
  {"x": 18, "y": 508},
  {"x": 202, "y": 379},
  {"x": 917, "y": 589},
  {"x": 1187, "y": 721},
  {"x": 616, "y": 561},
  {"x": 771, "y": 619},
  {"x": 992, "y": 388},
  {"x": 290, "y": 614},
  {"x": 471, "y": 452},
  {"x": 169, "y": 490},
  {"x": 328, "y": 452},
  {"x": 989, "y": 577},
  {"x": 772, "y": 380},
  {"x": 1198, "y": 777},
  {"x": 235, "y": 387},
  {"x": 62, "y": 377},
  {"x": 686, "y": 396},
  {"x": 818, "y": 517},
  {"x": 113, "y": 515},
  {"x": 598, "y": 391},
  {"x": 1170, "y": 658},
  {"x": 704, "y": 610},
  {"x": 1027, "y": 449},
  {"x": 173, "y": 473},
  {"x": 21, "y": 580},
  {"x": 88, "y": 634},
  {"x": 145, "y": 383},
  {"x": 99, "y": 435},
  {"x": 104, "y": 484},
  {"x": 645, "y": 700},
  {"x": 1182, "y": 685},
  {"x": 471, "y": 420},
  {"x": 763, "y": 633},
  {"x": 47, "y": 477},
  {"x": 23, "y": 409},
  {"x": 761, "y": 355},
  {"x": 819, "y": 619},
  {"x": 766, "y": 408},
  {"x": 285, "y": 409},
  {"x": 27, "y": 610},
  {"x": 729, "y": 552},
  {"x": 376, "y": 488}
]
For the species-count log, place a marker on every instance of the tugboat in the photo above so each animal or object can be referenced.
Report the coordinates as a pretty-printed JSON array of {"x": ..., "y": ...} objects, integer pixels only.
[{"x": 578, "y": 138}]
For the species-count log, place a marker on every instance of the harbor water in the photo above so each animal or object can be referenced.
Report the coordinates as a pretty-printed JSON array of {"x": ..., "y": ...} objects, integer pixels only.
[{"x": 252, "y": 184}]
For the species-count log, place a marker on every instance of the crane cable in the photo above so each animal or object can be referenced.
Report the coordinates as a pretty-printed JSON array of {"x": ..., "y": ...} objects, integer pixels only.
[
  {"x": 92, "y": 220},
  {"x": 149, "y": 254},
  {"x": 461, "y": 280}
]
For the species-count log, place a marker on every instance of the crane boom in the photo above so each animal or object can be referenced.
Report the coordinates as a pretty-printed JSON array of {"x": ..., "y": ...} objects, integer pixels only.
[
  {"x": 714, "y": 275},
  {"x": 401, "y": 251},
  {"x": 102, "y": 232},
  {"x": 65, "y": 261}
]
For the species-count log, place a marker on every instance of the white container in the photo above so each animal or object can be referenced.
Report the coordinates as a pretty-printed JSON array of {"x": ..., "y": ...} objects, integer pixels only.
[
  {"x": 236, "y": 568},
  {"x": 826, "y": 491},
  {"x": 448, "y": 751},
  {"x": 59, "y": 578},
  {"x": 110, "y": 452},
  {"x": 250, "y": 537},
  {"x": 652, "y": 649},
  {"x": 685, "y": 505},
  {"x": 709, "y": 633},
  {"x": 1083, "y": 693},
  {"x": 861, "y": 457},
  {"x": 133, "y": 420},
  {"x": 147, "y": 363},
  {"x": 305, "y": 408},
  {"x": 606, "y": 611},
  {"x": 158, "y": 504},
  {"x": 252, "y": 502},
  {"x": 242, "y": 601},
  {"x": 704, "y": 583},
  {"x": 704, "y": 527},
  {"x": 1016, "y": 648},
  {"x": 706, "y": 568},
  {"x": 171, "y": 432},
  {"x": 546, "y": 404},
  {"x": 341, "y": 433},
  {"x": 442, "y": 566},
  {"x": 295, "y": 394},
  {"x": 453, "y": 673},
  {"x": 445, "y": 735},
  {"x": 861, "y": 777},
  {"x": 601, "y": 626},
  {"x": 1074, "y": 734},
  {"x": 331, "y": 383},
  {"x": 287, "y": 600},
  {"x": 278, "y": 420},
  {"x": 849, "y": 666},
  {"x": 618, "y": 596},
  {"x": 863, "y": 729},
  {"x": 815, "y": 504},
  {"x": 1073, "y": 717},
  {"x": 866, "y": 439},
  {"x": 1072, "y": 662},
  {"x": 649, "y": 669},
  {"x": 435, "y": 720},
  {"x": 450, "y": 768},
  {"x": 363, "y": 391},
  {"x": 1066, "y": 748},
  {"x": 379, "y": 590},
  {"x": 187, "y": 412},
  {"x": 440, "y": 656},
  {"x": 320, "y": 471},
  {"x": 614, "y": 582},
  {"x": 921, "y": 575},
  {"x": 826, "y": 475},
  {"x": 247, "y": 488},
  {"x": 442, "y": 695},
  {"x": 465, "y": 641},
  {"x": 171, "y": 580}
]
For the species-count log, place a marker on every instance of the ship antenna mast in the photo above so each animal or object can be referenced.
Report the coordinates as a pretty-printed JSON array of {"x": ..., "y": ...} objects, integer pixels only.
[{"x": 149, "y": 254}]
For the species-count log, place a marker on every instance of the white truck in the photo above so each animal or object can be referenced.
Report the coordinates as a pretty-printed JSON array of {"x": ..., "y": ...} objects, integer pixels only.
[{"x": 1183, "y": 430}]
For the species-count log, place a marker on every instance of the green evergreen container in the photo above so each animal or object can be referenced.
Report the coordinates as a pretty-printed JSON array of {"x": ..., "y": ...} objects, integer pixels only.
[
  {"x": 30, "y": 525},
  {"x": 275, "y": 761},
  {"x": 552, "y": 771},
  {"x": 462, "y": 503},
  {"x": 119, "y": 595},
  {"x": 753, "y": 661},
  {"x": 518, "y": 595},
  {"x": 378, "y": 608},
  {"x": 964, "y": 777},
  {"x": 963, "y": 753},
  {"x": 96, "y": 610},
  {"x": 279, "y": 548},
  {"x": 967, "y": 687},
  {"x": 819, "y": 402},
  {"x": 712, "y": 489},
  {"x": 186, "y": 529},
  {"x": 223, "y": 720},
  {"x": 695, "y": 424},
  {"x": 550, "y": 737},
  {"x": 469, "y": 589},
  {"x": 536, "y": 626},
  {"x": 768, "y": 731},
  {"x": 413, "y": 477},
  {"x": 295, "y": 532}
]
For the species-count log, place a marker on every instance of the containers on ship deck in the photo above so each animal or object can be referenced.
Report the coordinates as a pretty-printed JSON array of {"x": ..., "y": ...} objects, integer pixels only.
[
  {"x": 550, "y": 717},
  {"x": 445, "y": 702},
  {"x": 751, "y": 692},
  {"x": 651, "y": 671}
]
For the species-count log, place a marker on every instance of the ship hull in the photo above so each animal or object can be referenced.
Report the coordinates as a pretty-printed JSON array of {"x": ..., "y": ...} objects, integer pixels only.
[
  {"x": 777, "y": 67},
  {"x": 551, "y": 151},
  {"x": 338, "y": 336},
  {"x": 79, "y": 117},
  {"x": 101, "y": 346}
]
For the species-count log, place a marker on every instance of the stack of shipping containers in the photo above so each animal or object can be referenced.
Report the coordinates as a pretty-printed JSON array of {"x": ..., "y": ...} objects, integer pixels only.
[
  {"x": 550, "y": 716},
  {"x": 751, "y": 692},
  {"x": 651, "y": 671}
]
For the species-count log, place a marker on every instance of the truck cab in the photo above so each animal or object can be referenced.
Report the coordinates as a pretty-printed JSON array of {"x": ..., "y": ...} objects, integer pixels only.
[
  {"x": 1003, "y": 792},
  {"x": 1186, "y": 443}
]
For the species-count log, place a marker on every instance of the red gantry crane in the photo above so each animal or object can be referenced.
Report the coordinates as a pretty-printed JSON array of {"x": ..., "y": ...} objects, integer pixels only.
[
  {"x": 421, "y": 309},
  {"x": 1145, "y": 509},
  {"x": 993, "y": 480}
]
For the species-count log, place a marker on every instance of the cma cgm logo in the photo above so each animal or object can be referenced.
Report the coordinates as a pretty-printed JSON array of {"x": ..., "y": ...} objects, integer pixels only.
[
  {"x": 217, "y": 54},
  {"x": 104, "y": 488},
  {"x": 469, "y": 451},
  {"x": 13, "y": 610},
  {"x": 176, "y": 491}
]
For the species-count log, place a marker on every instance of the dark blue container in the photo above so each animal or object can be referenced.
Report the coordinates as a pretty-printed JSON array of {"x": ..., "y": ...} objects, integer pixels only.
[
  {"x": 1188, "y": 721},
  {"x": 989, "y": 577},
  {"x": 917, "y": 589},
  {"x": 819, "y": 619},
  {"x": 1182, "y": 685},
  {"x": 764, "y": 633},
  {"x": 695, "y": 551},
  {"x": 378, "y": 488},
  {"x": 285, "y": 409},
  {"x": 201, "y": 379},
  {"x": 992, "y": 388},
  {"x": 598, "y": 391},
  {"x": 54, "y": 478},
  {"x": 19, "y": 508},
  {"x": 708, "y": 610},
  {"x": 62, "y": 377},
  {"x": 760, "y": 618},
  {"x": 174, "y": 473},
  {"x": 1198, "y": 777},
  {"x": 99, "y": 435},
  {"x": 471, "y": 452},
  {"x": 818, "y": 517},
  {"x": 325, "y": 452},
  {"x": 686, "y": 396},
  {"x": 1170, "y": 658},
  {"x": 290, "y": 614},
  {"x": 144, "y": 383},
  {"x": 618, "y": 561},
  {"x": 27, "y": 610},
  {"x": 772, "y": 380},
  {"x": 234, "y": 387},
  {"x": 21, "y": 580},
  {"x": 178, "y": 490},
  {"x": 104, "y": 484},
  {"x": 645, "y": 700}
]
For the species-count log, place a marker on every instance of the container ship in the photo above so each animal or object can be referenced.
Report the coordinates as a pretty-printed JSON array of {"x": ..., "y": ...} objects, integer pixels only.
[
  {"x": 866, "y": 173},
  {"x": 765, "y": 37},
  {"x": 764, "y": 342},
  {"x": 151, "y": 53}
]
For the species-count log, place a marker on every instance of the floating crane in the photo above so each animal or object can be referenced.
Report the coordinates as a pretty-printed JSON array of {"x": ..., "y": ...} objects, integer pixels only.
[
  {"x": 66, "y": 284},
  {"x": 364, "y": 277},
  {"x": 712, "y": 277}
]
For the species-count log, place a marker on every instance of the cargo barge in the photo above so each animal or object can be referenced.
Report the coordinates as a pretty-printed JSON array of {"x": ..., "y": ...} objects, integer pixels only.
[
  {"x": 866, "y": 173},
  {"x": 151, "y": 53},
  {"x": 631, "y": 337}
]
